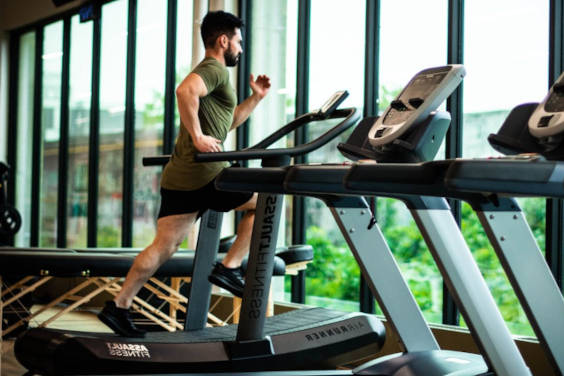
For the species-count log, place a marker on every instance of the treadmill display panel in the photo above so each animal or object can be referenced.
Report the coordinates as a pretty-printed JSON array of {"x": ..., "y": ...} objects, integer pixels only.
[
  {"x": 422, "y": 86},
  {"x": 423, "y": 94}
]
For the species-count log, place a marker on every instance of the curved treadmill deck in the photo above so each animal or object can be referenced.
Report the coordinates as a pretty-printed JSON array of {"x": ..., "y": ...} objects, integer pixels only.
[{"x": 301, "y": 338}]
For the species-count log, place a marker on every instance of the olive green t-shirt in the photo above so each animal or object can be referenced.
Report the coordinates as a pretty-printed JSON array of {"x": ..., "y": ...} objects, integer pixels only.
[{"x": 216, "y": 116}]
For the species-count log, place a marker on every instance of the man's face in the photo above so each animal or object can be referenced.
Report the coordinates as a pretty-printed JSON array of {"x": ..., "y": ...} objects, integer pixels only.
[{"x": 235, "y": 49}]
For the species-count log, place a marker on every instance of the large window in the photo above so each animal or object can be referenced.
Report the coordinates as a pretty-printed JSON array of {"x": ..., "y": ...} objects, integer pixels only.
[
  {"x": 50, "y": 127},
  {"x": 79, "y": 131},
  {"x": 184, "y": 27},
  {"x": 112, "y": 117},
  {"x": 23, "y": 174},
  {"x": 506, "y": 57},
  {"x": 273, "y": 52},
  {"x": 336, "y": 63},
  {"x": 149, "y": 115},
  {"x": 505, "y": 51},
  {"x": 401, "y": 21}
]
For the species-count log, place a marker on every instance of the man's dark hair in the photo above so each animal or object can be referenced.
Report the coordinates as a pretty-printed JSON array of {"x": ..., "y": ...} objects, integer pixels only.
[{"x": 217, "y": 23}]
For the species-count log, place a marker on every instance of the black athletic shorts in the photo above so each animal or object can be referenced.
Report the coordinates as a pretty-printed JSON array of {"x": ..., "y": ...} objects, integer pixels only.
[{"x": 199, "y": 200}]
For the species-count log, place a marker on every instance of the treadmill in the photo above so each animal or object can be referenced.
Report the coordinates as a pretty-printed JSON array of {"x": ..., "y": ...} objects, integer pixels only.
[
  {"x": 303, "y": 339},
  {"x": 420, "y": 141},
  {"x": 531, "y": 137}
]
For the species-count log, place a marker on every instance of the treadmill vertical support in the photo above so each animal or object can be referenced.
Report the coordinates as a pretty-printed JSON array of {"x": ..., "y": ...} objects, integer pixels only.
[
  {"x": 206, "y": 253},
  {"x": 382, "y": 273},
  {"x": 259, "y": 268},
  {"x": 528, "y": 273},
  {"x": 461, "y": 274}
]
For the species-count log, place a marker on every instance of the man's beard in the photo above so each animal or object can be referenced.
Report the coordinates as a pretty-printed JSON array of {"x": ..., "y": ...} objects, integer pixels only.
[{"x": 231, "y": 59}]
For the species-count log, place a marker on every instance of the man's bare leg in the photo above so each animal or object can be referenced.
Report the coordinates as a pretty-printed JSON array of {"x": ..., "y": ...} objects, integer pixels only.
[
  {"x": 240, "y": 247},
  {"x": 171, "y": 231}
]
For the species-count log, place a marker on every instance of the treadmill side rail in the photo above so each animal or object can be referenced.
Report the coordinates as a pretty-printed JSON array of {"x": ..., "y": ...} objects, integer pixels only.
[
  {"x": 530, "y": 277},
  {"x": 384, "y": 277},
  {"x": 468, "y": 287},
  {"x": 200, "y": 288},
  {"x": 259, "y": 270}
]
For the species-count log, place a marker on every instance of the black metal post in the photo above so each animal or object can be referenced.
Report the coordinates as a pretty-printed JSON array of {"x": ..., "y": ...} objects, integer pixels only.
[
  {"x": 554, "y": 207},
  {"x": 13, "y": 69},
  {"x": 300, "y": 137},
  {"x": 94, "y": 141},
  {"x": 64, "y": 140},
  {"x": 37, "y": 146},
  {"x": 244, "y": 70},
  {"x": 372, "y": 58},
  {"x": 12, "y": 144},
  {"x": 455, "y": 55},
  {"x": 170, "y": 78},
  {"x": 371, "y": 86},
  {"x": 129, "y": 130},
  {"x": 243, "y": 87}
]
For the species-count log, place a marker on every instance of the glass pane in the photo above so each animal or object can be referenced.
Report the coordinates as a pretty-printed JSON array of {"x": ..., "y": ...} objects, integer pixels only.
[
  {"x": 495, "y": 35},
  {"x": 50, "y": 124},
  {"x": 496, "y": 32},
  {"x": 333, "y": 277},
  {"x": 274, "y": 46},
  {"x": 26, "y": 81},
  {"x": 149, "y": 109},
  {"x": 415, "y": 261},
  {"x": 428, "y": 21},
  {"x": 112, "y": 109},
  {"x": 425, "y": 21},
  {"x": 79, "y": 131},
  {"x": 535, "y": 213},
  {"x": 337, "y": 48},
  {"x": 184, "y": 31}
]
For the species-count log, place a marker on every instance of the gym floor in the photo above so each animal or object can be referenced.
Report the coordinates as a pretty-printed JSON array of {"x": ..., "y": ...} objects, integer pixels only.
[{"x": 76, "y": 320}]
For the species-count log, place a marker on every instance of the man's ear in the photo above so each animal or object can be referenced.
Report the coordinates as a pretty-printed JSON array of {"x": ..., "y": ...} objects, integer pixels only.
[{"x": 223, "y": 41}]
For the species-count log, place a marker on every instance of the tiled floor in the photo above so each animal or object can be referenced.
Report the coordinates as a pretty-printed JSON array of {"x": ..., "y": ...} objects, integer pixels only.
[{"x": 76, "y": 320}]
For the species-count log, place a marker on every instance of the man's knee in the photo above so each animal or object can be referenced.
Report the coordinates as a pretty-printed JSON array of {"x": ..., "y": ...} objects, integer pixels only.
[
  {"x": 166, "y": 247},
  {"x": 147, "y": 261}
]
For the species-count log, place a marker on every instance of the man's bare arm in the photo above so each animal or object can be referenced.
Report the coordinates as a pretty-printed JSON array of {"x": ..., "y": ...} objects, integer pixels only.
[{"x": 188, "y": 95}]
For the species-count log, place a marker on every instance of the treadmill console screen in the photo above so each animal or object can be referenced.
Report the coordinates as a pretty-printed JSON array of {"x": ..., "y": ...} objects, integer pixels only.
[
  {"x": 412, "y": 97},
  {"x": 548, "y": 118},
  {"x": 332, "y": 103},
  {"x": 423, "y": 94}
]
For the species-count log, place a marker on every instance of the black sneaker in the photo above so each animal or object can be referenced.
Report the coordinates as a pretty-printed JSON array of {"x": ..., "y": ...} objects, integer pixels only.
[
  {"x": 119, "y": 320},
  {"x": 230, "y": 279}
]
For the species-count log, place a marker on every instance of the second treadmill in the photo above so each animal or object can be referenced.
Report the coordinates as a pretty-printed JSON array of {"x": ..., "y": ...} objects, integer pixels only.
[{"x": 422, "y": 354}]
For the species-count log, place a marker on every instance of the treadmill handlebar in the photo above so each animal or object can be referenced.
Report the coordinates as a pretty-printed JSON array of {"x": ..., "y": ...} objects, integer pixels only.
[
  {"x": 259, "y": 151},
  {"x": 157, "y": 160}
]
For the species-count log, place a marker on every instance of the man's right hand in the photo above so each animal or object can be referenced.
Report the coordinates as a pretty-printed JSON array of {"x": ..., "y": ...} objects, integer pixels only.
[{"x": 207, "y": 144}]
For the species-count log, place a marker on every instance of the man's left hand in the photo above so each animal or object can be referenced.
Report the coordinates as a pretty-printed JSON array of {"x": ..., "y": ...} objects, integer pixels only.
[{"x": 260, "y": 86}]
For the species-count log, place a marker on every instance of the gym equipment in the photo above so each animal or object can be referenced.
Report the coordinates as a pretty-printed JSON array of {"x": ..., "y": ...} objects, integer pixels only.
[
  {"x": 487, "y": 185},
  {"x": 529, "y": 128},
  {"x": 303, "y": 339},
  {"x": 421, "y": 141},
  {"x": 24, "y": 270},
  {"x": 423, "y": 94}
]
